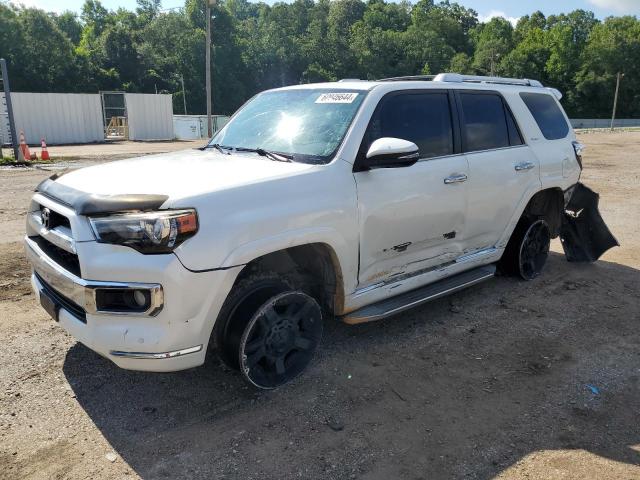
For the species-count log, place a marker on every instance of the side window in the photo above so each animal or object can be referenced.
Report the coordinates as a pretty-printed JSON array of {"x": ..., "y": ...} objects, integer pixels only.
[
  {"x": 547, "y": 114},
  {"x": 485, "y": 123},
  {"x": 514, "y": 134},
  {"x": 421, "y": 118}
]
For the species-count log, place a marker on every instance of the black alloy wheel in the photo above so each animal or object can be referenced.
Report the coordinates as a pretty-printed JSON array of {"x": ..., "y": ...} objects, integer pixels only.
[
  {"x": 280, "y": 339},
  {"x": 534, "y": 250}
]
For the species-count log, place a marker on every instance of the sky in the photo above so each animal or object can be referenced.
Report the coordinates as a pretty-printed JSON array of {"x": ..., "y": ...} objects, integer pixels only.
[{"x": 486, "y": 9}]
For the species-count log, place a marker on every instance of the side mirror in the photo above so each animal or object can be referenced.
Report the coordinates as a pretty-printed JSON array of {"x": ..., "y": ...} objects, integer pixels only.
[{"x": 388, "y": 152}]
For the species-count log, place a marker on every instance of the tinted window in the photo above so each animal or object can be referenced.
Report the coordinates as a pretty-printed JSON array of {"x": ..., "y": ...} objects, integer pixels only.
[
  {"x": 514, "y": 134},
  {"x": 485, "y": 123},
  {"x": 547, "y": 114},
  {"x": 424, "y": 119}
]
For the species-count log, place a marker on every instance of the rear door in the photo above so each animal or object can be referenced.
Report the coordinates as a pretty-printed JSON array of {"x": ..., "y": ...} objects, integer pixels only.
[
  {"x": 412, "y": 217},
  {"x": 502, "y": 168}
]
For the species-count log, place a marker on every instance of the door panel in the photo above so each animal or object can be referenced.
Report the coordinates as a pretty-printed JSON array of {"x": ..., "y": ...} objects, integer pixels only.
[
  {"x": 502, "y": 168},
  {"x": 410, "y": 219},
  {"x": 496, "y": 189}
]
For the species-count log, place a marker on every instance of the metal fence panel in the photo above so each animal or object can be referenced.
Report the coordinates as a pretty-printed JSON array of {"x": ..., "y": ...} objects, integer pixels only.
[
  {"x": 150, "y": 116},
  {"x": 5, "y": 134},
  {"x": 604, "y": 122},
  {"x": 58, "y": 117}
]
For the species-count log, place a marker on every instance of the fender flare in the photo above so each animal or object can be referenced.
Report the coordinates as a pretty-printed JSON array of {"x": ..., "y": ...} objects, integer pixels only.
[
  {"x": 515, "y": 218},
  {"x": 338, "y": 246}
]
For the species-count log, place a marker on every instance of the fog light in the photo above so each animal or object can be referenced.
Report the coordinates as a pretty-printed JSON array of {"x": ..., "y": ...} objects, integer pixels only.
[
  {"x": 122, "y": 300},
  {"x": 140, "y": 298}
]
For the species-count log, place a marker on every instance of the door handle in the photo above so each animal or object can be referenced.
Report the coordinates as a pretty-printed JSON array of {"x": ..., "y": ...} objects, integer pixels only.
[
  {"x": 524, "y": 166},
  {"x": 455, "y": 178}
]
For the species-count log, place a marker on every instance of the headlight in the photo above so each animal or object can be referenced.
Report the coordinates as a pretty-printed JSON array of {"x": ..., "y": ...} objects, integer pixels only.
[{"x": 151, "y": 232}]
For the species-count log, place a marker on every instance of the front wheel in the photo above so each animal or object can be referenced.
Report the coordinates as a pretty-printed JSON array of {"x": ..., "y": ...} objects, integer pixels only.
[
  {"x": 279, "y": 341},
  {"x": 268, "y": 330}
]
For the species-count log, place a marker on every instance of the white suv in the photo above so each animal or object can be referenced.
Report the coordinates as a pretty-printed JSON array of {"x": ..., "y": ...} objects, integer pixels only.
[{"x": 353, "y": 199}]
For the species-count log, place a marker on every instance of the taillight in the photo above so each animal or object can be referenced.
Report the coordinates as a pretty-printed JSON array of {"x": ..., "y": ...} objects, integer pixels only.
[{"x": 577, "y": 149}]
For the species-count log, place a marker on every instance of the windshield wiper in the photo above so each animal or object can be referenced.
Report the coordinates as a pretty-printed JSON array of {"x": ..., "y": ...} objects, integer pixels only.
[
  {"x": 221, "y": 148},
  {"x": 278, "y": 157}
]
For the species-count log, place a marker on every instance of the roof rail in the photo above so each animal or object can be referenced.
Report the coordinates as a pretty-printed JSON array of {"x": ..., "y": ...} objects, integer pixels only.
[
  {"x": 456, "y": 77},
  {"x": 407, "y": 78}
]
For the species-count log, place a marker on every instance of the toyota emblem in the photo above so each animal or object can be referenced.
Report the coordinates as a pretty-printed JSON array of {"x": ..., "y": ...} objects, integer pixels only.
[{"x": 45, "y": 215}]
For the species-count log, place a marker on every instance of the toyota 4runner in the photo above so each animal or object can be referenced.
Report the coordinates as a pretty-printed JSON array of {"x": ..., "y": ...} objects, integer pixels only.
[{"x": 353, "y": 199}]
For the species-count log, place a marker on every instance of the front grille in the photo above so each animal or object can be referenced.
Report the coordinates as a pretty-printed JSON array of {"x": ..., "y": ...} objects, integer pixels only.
[
  {"x": 67, "y": 260},
  {"x": 74, "y": 309},
  {"x": 57, "y": 220}
]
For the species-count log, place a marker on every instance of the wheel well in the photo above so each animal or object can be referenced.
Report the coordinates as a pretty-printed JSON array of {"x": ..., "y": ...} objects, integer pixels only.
[
  {"x": 547, "y": 205},
  {"x": 313, "y": 267}
]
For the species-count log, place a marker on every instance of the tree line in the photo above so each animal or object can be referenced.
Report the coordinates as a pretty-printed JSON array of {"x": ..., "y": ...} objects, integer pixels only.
[{"x": 257, "y": 46}]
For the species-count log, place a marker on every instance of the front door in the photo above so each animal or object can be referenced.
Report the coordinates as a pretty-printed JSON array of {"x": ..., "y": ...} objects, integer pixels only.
[{"x": 412, "y": 218}]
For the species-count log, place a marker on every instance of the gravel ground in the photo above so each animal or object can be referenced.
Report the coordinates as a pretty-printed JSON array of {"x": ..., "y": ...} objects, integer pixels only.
[{"x": 506, "y": 380}]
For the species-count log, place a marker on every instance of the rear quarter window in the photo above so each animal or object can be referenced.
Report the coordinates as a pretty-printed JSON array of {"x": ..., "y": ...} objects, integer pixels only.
[{"x": 547, "y": 114}]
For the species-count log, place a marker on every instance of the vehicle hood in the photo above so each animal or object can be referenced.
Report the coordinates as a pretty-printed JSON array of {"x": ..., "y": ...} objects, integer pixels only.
[{"x": 178, "y": 175}]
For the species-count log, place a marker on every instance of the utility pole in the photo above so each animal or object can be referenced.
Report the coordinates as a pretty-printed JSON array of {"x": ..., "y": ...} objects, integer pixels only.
[
  {"x": 491, "y": 73},
  {"x": 210, "y": 3},
  {"x": 615, "y": 98},
  {"x": 184, "y": 96},
  {"x": 7, "y": 98}
]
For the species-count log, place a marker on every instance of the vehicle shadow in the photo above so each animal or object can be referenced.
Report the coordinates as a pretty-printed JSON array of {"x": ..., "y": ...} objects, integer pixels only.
[{"x": 463, "y": 387}]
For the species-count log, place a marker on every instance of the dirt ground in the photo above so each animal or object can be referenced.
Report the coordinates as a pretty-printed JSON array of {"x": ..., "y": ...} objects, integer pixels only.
[{"x": 508, "y": 380}]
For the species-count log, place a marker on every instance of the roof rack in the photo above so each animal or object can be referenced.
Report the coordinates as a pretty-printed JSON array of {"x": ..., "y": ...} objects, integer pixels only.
[
  {"x": 457, "y": 78},
  {"x": 407, "y": 78}
]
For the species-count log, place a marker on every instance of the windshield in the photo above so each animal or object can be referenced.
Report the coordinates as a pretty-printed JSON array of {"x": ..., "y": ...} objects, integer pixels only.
[{"x": 308, "y": 124}]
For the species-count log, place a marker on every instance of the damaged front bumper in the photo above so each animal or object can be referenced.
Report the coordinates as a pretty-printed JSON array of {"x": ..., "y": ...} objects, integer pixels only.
[{"x": 584, "y": 235}]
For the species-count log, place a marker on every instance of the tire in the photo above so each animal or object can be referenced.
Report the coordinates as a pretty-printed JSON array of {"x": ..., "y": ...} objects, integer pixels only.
[
  {"x": 527, "y": 250},
  {"x": 268, "y": 330}
]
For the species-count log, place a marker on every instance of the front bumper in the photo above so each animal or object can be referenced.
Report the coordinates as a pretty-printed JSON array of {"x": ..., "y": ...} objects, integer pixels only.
[
  {"x": 173, "y": 335},
  {"x": 82, "y": 292}
]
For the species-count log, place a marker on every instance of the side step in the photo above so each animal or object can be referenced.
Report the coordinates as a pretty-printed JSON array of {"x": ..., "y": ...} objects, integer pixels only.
[{"x": 413, "y": 298}]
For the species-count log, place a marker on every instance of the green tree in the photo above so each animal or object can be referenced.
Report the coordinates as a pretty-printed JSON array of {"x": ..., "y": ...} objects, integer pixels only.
[
  {"x": 48, "y": 61},
  {"x": 493, "y": 40},
  {"x": 68, "y": 23},
  {"x": 613, "y": 46},
  {"x": 257, "y": 46}
]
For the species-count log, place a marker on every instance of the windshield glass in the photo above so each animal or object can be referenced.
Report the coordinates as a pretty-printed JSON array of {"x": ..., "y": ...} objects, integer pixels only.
[{"x": 308, "y": 124}]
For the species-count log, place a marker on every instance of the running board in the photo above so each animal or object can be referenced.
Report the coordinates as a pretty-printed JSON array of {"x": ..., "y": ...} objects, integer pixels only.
[{"x": 413, "y": 298}]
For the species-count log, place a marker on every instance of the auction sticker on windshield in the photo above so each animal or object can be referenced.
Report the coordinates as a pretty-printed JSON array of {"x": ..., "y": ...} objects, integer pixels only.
[{"x": 337, "y": 98}]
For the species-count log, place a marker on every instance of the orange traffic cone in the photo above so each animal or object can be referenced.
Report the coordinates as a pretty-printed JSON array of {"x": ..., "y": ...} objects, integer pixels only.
[
  {"x": 45, "y": 153},
  {"x": 24, "y": 148}
]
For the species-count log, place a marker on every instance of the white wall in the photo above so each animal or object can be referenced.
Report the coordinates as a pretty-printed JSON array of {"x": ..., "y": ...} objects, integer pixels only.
[
  {"x": 150, "y": 116},
  {"x": 58, "y": 117}
]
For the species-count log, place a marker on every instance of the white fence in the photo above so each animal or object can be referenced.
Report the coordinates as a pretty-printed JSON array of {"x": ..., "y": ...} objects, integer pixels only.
[
  {"x": 62, "y": 118},
  {"x": 149, "y": 116},
  {"x": 193, "y": 127},
  {"x": 57, "y": 117}
]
